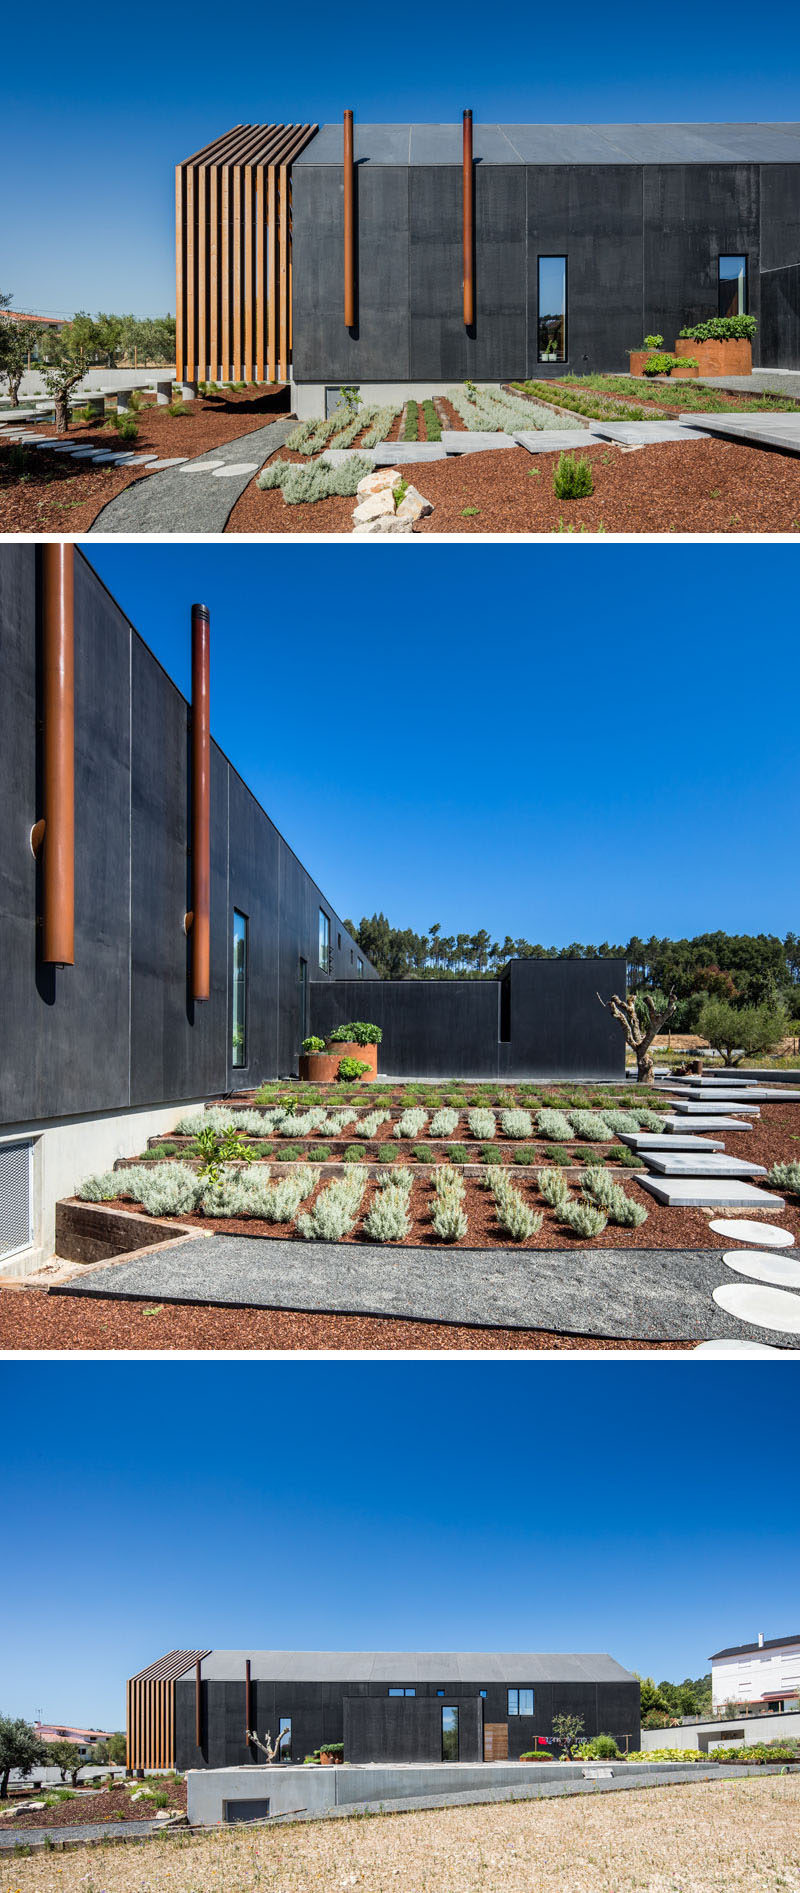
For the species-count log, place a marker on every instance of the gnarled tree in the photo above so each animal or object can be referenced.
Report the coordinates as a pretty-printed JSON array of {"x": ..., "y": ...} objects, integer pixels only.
[
  {"x": 269, "y": 1748},
  {"x": 639, "y": 1035}
]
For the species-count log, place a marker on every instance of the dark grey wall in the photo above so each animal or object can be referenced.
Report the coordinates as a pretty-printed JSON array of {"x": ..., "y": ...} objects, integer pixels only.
[
  {"x": 642, "y": 242},
  {"x": 375, "y": 1726},
  {"x": 118, "y": 1028},
  {"x": 451, "y": 1028}
]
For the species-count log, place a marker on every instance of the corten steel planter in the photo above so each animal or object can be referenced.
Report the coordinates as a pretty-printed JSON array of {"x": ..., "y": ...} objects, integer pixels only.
[
  {"x": 639, "y": 357},
  {"x": 637, "y": 360},
  {"x": 318, "y": 1068},
  {"x": 718, "y": 358},
  {"x": 689, "y": 373},
  {"x": 368, "y": 1055}
]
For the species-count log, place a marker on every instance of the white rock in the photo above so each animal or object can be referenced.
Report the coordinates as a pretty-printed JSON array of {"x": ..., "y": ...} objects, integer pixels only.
[
  {"x": 388, "y": 522},
  {"x": 413, "y": 505},
  {"x": 376, "y": 506},
  {"x": 380, "y": 482}
]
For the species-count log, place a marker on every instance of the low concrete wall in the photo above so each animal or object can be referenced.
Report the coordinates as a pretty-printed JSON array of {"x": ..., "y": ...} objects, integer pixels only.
[
  {"x": 716, "y": 1733},
  {"x": 66, "y": 1151},
  {"x": 308, "y": 397},
  {"x": 317, "y": 1792}
]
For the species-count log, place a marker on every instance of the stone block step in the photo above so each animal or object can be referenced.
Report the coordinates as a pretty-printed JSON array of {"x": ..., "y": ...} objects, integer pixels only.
[
  {"x": 675, "y": 1140},
  {"x": 646, "y": 433},
  {"x": 455, "y": 443},
  {"x": 708, "y": 1193},
  {"x": 697, "y": 1107},
  {"x": 554, "y": 440},
  {"x": 690, "y": 1163},
  {"x": 709, "y": 1123}
]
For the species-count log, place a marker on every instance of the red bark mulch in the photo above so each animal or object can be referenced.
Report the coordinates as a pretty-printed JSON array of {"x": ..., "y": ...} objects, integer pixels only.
[
  {"x": 700, "y": 486},
  {"x": 90, "y": 1805},
  {"x": 52, "y": 493}
]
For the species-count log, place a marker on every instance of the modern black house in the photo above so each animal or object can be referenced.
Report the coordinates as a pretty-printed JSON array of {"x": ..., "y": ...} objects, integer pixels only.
[
  {"x": 160, "y": 940},
  {"x": 406, "y": 258},
  {"x": 196, "y": 1708}
]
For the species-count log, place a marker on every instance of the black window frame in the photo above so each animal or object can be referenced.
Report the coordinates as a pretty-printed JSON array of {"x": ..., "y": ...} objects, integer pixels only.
[{"x": 521, "y": 1689}]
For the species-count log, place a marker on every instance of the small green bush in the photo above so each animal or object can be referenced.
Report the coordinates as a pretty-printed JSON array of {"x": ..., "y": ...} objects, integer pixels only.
[
  {"x": 555, "y": 1153},
  {"x": 433, "y": 426},
  {"x": 411, "y": 429},
  {"x": 721, "y": 329},
  {"x": 586, "y": 1153},
  {"x": 491, "y": 1154},
  {"x": 313, "y": 1044},
  {"x": 180, "y": 410},
  {"x": 527, "y": 1154},
  {"x": 584, "y": 1219},
  {"x": 350, "y": 1068},
  {"x": 358, "y": 1032},
  {"x": 423, "y": 1153},
  {"x": 572, "y": 479},
  {"x": 355, "y": 1153},
  {"x": 628, "y": 1159},
  {"x": 458, "y": 1153}
]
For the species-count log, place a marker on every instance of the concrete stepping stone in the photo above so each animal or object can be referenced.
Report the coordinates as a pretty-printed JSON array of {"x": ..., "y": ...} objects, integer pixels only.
[
  {"x": 646, "y": 433},
  {"x": 718, "y": 1350},
  {"x": 51, "y": 441},
  {"x": 553, "y": 440},
  {"x": 645, "y": 1141},
  {"x": 759, "y": 1306},
  {"x": 762, "y": 430},
  {"x": 762, "y": 1094},
  {"x": 456, "y": 443},
  {"x": 141, "y": 460},
  {"x": 764, "y": 1235},
  {"x": 709, "y": 1123},
  {"x": 690, "y": 1164},
  {"x": 688, "y": 1107},
  {"x": 782, "y": 1270},
  {"x": 402, "y": 453},
  {"x": 707, "y": 1192},
  {"x": 232, "y": 470},
  {"x": 202, "y": 466},
  {"x": 178, "y": 460}
]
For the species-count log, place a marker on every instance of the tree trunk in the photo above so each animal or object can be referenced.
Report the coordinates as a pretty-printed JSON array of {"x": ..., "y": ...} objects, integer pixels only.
[
  {"x": 645, "y": 1072},
  {"x": 13, "y": 389},
  {"x": 62, "y": 421},
  {"x": 4, "y": 1784}
]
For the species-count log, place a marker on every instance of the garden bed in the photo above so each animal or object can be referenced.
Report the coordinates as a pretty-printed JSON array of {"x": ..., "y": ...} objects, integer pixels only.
[
  {"x": 697, "y": 486},
  {"x": 51, "y": 493},
  {"x": 87, "y": 1806}
]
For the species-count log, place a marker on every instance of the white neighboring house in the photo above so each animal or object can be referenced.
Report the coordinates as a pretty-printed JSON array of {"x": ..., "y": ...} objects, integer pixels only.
[{"x": 767, "y": 1671}]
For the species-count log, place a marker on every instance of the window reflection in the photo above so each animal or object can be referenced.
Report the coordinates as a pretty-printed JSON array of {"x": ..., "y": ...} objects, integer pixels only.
[
  {"x": 732, "y": 285},
  {"x": 552, "y": 308}
]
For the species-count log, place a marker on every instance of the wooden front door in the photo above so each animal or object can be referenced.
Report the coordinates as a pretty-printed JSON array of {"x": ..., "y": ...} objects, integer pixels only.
[{"x": 495, "y": 1741}]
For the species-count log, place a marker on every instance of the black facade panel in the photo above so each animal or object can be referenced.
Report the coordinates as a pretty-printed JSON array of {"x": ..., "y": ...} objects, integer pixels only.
[
  {"x": 780, "y": 318},
  {"x": 780, "y": 216},
  {"x": 119, "y": 1029},
  {"x": 409, "y": 1728},
  {"x": 323, "y": 349},
  {"x": 693, "y": 214},
  {"x": 440, "y": 346},
  {"x": 592, "y": 215},
  {"x": 557, "y": 1026}
]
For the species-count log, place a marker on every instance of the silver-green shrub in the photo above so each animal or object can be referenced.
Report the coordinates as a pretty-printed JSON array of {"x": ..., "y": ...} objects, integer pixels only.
[
  {"x": 302, "y": 1124},
  {"x": 449, "y": 1217},
  {"x": 306, "y": 484},
  {"x": 554, "y": 1125},
  {"x": 169, "y": 1189},
  {"x": 648, "y": 1120},
  {"x": 336, "y": 1209},
  {"x": 388, "y": 1219},
  {"x": 112, "y": 1183},
  {"x": 402, "y": 1177},
  {"x": 444, "y": 1122},
  {"x": 598, "y": 1187},
  {"x": 621, "y": 1120},
  {"x": 584, "y": 1219},
  {"x": 785, "y": 1176},
  {"x": 590, "y": 1125},
  {"x": 516, "y": 1123},
  {"x": 370, "y": 1125},
  {"x": 513, "y": 1213},
  {"x": 411, "y": 1123},
  {"x": 553, "y": 1187},
  {"x": 482, "y": 1123},
  {"x": 381, "y": 426}
]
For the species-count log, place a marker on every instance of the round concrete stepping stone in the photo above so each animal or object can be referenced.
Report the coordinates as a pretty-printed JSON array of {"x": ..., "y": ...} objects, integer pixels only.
[
  {"x": 760, "y": 1307},
  {"x": 230, "y": 470},
  {"x": 203, "y": 466},
  {"x": 782, "y": 1270},
  {"x": 718, "y": 1349},
  {"x": 760, "y": 1235}
]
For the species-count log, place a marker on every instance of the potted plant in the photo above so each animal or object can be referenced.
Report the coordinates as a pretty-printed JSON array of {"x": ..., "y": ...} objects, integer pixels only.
[
  {"x": 723, "y": 345},
  {"x": 652, "y": 360},
  {"x": 330, "y": 1753},
  {"x": 359, "y": 1040},
  {"x": 316, "y": 1065}
]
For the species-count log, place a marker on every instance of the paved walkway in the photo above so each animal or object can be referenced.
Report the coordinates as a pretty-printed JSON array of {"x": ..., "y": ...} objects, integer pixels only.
[
  {"x": 753, "y": 430},
  {"x": 174, "y": 502},
  {"x": 624, "y": 1294},
  {"x": 88, "y": 1830},
  {"x": 784, "y": 381}
]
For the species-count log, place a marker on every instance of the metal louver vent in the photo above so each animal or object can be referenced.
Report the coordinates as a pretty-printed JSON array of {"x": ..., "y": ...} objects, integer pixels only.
[{"x": 16, "y": 1197}]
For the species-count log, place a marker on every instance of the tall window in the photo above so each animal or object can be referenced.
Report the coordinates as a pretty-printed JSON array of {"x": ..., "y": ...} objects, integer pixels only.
[
  {"x": 552, "y": 308},
  {"x": 732, "y": 286},
  {"x": 449, "y": 1735},
  {"x": 324, "y": 942},
  {"x": 359, "y": 969},
  {"x": 285, "y": 1750},
  {"x": 239, "y": 1005},
  {"x": 302, "y": 982},
  {"x": 520, "y": 1702}
]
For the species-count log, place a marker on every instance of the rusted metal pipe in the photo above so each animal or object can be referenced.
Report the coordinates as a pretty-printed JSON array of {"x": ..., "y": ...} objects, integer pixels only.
[
  {"x": 198, "y": 1705},
  {"x": 54, "y": 834},
  {"x": 349, "y": 226},
  {"x": 248, "y": 1721},
  {"x": 468, "y": 203},
  {"x": 200, "y": 917}
]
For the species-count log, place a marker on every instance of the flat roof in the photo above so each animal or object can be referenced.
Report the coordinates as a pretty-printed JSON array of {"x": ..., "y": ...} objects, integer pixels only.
[
  {"x": 561, "y": 144},
  {"x": 412, "y": 1666},
  {"x": 745, "y": 1649}
]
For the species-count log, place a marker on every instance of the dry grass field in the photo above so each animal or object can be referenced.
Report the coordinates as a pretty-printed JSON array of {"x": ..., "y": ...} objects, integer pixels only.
[{"x": 712, "y": 1837}]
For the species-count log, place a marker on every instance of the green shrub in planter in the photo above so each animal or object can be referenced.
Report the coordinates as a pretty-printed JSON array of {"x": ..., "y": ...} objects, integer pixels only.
[
  {"x": 572, "y": 479},
  {"x": 312, "y": 1045},
  {"x": 350, "y": 1068},
  {"x": 740, "y": 328},
  {"x": 536, "y": 1755},
  {"x": 358, "y": 1032}
]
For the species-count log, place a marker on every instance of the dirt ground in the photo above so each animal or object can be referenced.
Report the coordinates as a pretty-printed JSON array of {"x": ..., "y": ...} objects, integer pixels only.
[
  {"x": 49, "y": 493},
  {"x": 702, "y": 1837},
  {"x": 91, "y": 1806},
  {"x": 703, "y": 486}
]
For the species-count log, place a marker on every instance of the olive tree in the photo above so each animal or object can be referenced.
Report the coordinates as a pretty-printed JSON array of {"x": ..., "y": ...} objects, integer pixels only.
[
  {"x": 70, "y": 354},
  {"x": 20, "y": 1747},
  {"x": 738, "y": 1034},
  {"x": 568, "y": 1730},
  {"x": 642, "y": 1017},
  {"x": 17, "y": 342},
  {"x": 66, "y": 1757}
]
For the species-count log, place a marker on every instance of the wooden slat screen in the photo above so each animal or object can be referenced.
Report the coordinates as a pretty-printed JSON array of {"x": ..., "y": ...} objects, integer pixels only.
[
  {"x": 150, "y": 1710},
  {"x": 233, "y": 223}
]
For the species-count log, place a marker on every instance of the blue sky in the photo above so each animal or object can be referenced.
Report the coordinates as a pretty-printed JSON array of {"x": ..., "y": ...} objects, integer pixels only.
[
  {"x": 98, "y": 121},
  {"x": 562, "y": 746},
  {"x": 618, "y": 1506}
]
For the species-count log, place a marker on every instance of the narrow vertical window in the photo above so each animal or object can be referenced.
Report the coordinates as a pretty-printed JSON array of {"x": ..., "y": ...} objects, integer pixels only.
[
  {"x": 360, "y": 969},
  {"x": 552, "y": 308},
  {"x": 732, "y": 297},
  {"x": 285, "y": 1729},
  {"x": 239, "y": 1005},
  {"x": 302, "y": 981},
  {"x": 324, "y": 942},
  {"x": 450, "y": 1735}
]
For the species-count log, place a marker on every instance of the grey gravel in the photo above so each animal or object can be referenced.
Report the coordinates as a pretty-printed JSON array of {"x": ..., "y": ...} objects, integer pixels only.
[{"x": 168, "y": 503}]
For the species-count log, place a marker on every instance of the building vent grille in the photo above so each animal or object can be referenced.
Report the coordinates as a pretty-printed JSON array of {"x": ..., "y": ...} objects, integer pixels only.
[{"x": 16, "y": 1230}]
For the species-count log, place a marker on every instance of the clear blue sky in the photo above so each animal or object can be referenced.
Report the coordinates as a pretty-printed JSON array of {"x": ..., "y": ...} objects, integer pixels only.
[
  {"x": 621, "y": 1506},
  {"x": 562, "y": 745},
  {"x": 97, "y": 119}
]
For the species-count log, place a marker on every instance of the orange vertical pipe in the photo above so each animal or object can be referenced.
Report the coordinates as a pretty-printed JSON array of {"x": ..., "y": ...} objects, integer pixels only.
[
  {"x": 57, "y": 831},
  {"x": 469, "y": 223},
  {"x": 349, "y": 226},
  {"x": 201, "y": 803}
]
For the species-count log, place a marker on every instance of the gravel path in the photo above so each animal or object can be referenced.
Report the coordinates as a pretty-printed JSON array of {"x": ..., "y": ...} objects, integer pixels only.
[
  {"x": 95, "y": 1830},
  {"x": 642, "y": 1294},
  {"x": 177, "y": 502}
]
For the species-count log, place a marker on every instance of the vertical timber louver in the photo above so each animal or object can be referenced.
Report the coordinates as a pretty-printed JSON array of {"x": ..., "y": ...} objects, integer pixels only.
[
  {"x": 150, "y": 1708},
  {"x": 233, "y": 236}
]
